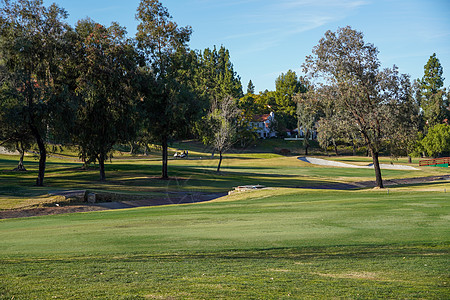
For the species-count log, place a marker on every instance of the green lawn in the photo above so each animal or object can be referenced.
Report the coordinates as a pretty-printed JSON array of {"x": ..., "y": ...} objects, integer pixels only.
[
  {"x": 282, "y": 242},
  {"x": 139, "y": 175},
  {"x": 267, "y": 244}
]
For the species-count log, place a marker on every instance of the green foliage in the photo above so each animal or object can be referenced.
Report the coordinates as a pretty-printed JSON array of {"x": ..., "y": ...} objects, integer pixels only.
[
  {"x": 105, "y": 115},
  {"x": 434, "y": 108},
  {"x": 432, "y": 96},
  {"x": 33, "y": 50},
  {"x": 15, "y": 133},
  {"x": 287, "y": 86},
  {"x": 432, "y": 80},
  {"x": 307, "y": 115},
  {"x": 168, "y": 102},
  {"x": 250, "y": 87},
  {"x": 437, "y": 141},
  {"x": 377, "y": 103},
  {"x": 217, "y": 76}
]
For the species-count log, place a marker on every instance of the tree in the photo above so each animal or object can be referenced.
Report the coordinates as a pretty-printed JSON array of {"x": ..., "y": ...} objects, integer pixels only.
[
  {"x": 329, "y": 127},
  {"x": 32, "y": 46},
  {"x": 15, "y": 135},
  {"x": 223, "y": 120},
  {"x": 370, "y": 98},
  {"x": 168, "y": 102},
  {"x": 437, "y": 141},
  {"x": 286, "y": 87},
  {"x": 432, "y": 94},
  {"x": 307, "y": 114},
  {"x": 107, "y": 74},
  {"x": 250, "y": 87},
  {"x": 432, "y": 80},
  {"x": 217, "y": 76},
  {"x": 403, "y": 112}
]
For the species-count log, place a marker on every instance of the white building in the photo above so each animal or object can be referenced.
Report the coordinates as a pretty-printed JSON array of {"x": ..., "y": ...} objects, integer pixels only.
[{"x": 261, "y": 124}]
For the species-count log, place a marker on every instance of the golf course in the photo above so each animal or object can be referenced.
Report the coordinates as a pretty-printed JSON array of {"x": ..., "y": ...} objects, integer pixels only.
[{"x": 293, "y": 239}]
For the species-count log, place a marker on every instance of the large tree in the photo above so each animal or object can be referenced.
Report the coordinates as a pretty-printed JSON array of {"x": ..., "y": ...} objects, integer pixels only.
[
  {"x": 432, "y": 94},
  {"x": 370, "y": 98},
  {"x": 107, "y": 79},
  {"x": 168, "y": 101},
  {"x": 33, "y": 46}
]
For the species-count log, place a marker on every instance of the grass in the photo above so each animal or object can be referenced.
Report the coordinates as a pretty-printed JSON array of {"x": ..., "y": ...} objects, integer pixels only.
[
  {"x": 277, "y": 243},
  {"x": 139, "y": 175},
  {"x": 267, "y": 244}
]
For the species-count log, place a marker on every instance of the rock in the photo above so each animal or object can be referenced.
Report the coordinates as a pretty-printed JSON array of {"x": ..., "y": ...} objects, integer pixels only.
[{"x": 91, "y": 197}]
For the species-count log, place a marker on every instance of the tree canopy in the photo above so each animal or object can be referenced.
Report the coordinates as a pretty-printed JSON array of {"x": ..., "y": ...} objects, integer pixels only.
[
  {"x": 107, "y": 87},
  {"x": 437, "y": 141},
  {"x": 217, "y": 76},
  {"x": 371, "y": 99},
  {"x": 33, "y": 47},
  {"x": 168, "y": 100},
  {"x": 432, "y": 95}
]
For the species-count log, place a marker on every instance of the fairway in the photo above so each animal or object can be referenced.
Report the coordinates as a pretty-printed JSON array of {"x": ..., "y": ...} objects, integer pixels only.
[
  {"x": 141, "y": 158},
  {"x": 275, "y": 243}
]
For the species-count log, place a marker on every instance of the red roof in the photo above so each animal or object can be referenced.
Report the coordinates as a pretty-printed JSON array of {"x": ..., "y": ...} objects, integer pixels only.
[{"x": 261, "y": 118}]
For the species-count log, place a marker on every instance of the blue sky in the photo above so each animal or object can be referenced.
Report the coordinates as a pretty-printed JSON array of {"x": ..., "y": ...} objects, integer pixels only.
[{"x": 267, "y": 38}]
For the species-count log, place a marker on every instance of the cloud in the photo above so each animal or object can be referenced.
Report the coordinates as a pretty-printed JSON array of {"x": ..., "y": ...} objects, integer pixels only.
[
  {"x": 347, "y": 4},
  {"x": 270, "y": 24}
]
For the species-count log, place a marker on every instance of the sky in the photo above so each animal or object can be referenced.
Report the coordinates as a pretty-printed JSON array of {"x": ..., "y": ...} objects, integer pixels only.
[{"x": 269, "y": 37}]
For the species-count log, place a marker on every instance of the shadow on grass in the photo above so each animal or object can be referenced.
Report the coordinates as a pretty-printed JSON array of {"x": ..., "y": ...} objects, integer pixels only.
[{"x": 144, "y": 178}]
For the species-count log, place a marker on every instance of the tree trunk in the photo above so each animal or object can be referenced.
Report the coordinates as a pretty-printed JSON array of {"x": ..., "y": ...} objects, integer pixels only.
[
  {"x": 335, "y": 146},
  {"x": 101, "y": 164},
  {"x": 131, "y": 148},
  {"x": 20, "y": 167},
  {"x": 42, "y": 160},
  {"x": 353, "y": 147},
  {"x": 42, "y": 155},
  {"x": 164, "y": 158},
  {"x": 409, "y": 159},
  {"x": 220, "y": 161},
  {"x": 306, "y": 142},
  {"x": 376, "y": 166},
  {"x": 85, "y": 165}
]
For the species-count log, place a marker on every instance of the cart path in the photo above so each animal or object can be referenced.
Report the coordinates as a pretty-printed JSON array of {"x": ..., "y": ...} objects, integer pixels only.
[{"x": 332, "y": 163}]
